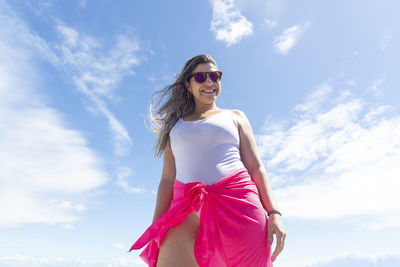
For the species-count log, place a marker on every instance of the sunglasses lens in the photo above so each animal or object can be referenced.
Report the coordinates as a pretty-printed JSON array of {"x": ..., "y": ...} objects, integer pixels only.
[
  {"x": 200, "y": 77},
  {"x": 215, "y": 76}
]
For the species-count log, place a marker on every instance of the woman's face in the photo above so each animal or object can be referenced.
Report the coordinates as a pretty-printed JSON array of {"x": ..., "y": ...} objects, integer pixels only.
[{"x": 201, "y": 91}]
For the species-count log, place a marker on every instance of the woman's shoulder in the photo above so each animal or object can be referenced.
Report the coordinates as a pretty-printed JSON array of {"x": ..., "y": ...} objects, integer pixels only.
[
  {"x": 236, "y": 112},
  {"x": 238, "y": 115}
]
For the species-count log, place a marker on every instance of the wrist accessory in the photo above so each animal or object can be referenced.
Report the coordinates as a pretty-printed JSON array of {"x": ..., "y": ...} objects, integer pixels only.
[{"x": 274, "y": 211}]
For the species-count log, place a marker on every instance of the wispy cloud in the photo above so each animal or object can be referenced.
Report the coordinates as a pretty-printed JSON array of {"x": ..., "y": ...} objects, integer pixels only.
[
  {"x": 82, "y": 3},
  {"x": 96, "y": 72},
  {"x": 338, "y": 157},
  {"x": 357, "y": 260},
  {"x": 273, "y": 12},
  {"x": 270, "y": 23},
  {"x": 25, "y": 261},
  {"x": 351, "y": 83},
  {"x": 228, "y": 24},
  {"x": 385, "y": 40},
  {"x": 122, "y": 174},
  {"x": 289, "y": 38},
  {"x": 315, "y": 100},
  {"x": 377, "y": 87},
  {"x": 44, "y": 163},
  {"x": 351, "y": 57},
  {"x": 118, "y": 246},
  {"x": 342, "y": 259}
]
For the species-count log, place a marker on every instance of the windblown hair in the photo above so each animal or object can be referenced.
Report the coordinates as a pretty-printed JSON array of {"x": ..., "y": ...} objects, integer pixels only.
[{"x": 177, "y": 104}]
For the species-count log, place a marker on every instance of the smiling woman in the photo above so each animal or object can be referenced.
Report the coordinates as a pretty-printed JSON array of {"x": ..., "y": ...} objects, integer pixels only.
[{"x": 213, "y": 183}]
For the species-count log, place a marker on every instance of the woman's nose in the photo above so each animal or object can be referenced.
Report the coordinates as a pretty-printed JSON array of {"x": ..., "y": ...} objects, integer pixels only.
[{"x": 208, "y": 79}]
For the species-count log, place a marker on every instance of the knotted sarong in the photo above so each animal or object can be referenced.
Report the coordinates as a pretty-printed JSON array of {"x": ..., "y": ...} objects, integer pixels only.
[{"x": 233, "y": 223}]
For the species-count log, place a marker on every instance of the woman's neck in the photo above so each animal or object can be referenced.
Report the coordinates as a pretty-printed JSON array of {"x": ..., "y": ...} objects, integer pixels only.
[{"x": 200, "y": 109}]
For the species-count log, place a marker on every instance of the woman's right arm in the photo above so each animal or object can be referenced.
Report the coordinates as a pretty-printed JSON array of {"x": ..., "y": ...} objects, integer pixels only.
[{"x": 166, "y": 186}]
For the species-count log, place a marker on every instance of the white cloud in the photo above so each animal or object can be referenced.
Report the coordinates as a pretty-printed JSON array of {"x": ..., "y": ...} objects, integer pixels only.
[
  {"x": 377, "y": 87},
  {"x": 385, "y": 40},
  {"x": 289, "y": 38},
  {"x": 351, "y": 83},
  {"x": 383, "y": 222},
  {"x": 228, "y": 24},
  {"x": 314, "y": 101},
  {"x": 273, "y": 12},
  {"x": 375, "y": 112},
  {"x": 357, "y": 259},
  {"x": 96, "y": 73},
  {"x": 67, "y": 226},
  {"x": 348, "y": 59},
  {"x": 69, "y": 35},
  {"x": 118, "y": 246},
  {"x": 40, "y": 7},
  {"x": 354, "y": 259},
  {"x": 122, "y": 174},
  {"x": 25, "y": 261},
  {"x": 44, "y": 163},
  {"x": 70, "y": 205},
  {"x": 270, "y": 23},
  {"x": 338, "y": 158}
]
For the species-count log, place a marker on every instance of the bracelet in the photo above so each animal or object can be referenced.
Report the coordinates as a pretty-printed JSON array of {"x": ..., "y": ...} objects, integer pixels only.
[{"x": 274, "y": 211}]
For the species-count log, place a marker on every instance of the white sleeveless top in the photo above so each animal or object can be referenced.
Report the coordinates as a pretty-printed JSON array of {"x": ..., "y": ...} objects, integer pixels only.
[{"x": 206, "y": 150}]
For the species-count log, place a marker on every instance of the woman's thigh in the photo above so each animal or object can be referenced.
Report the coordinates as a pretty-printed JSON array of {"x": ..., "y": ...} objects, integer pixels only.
[{"x": 177, "y": 246}]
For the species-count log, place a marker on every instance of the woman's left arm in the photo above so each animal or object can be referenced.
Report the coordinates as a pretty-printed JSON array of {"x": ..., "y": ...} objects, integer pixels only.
[{"x": 252, "y": 162}]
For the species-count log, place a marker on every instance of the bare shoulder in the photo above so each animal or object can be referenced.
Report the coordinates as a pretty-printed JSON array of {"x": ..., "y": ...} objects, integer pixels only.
[{"x": 239, "y": 117}]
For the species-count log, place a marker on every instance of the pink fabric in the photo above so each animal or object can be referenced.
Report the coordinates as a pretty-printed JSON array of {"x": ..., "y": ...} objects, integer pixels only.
[{"x": 233, "y": 223}]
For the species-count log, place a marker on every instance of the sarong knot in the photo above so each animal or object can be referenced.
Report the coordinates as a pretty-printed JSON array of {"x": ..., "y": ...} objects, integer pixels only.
[{"x": 198, "y": 194}]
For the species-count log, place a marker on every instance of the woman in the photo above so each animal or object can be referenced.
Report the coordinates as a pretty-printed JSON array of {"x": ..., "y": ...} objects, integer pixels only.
[{"x": 214, "y": 191}]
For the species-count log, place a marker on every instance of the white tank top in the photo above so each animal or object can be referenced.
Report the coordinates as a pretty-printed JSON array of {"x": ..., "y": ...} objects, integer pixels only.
[{"x": 206, "y": 150}]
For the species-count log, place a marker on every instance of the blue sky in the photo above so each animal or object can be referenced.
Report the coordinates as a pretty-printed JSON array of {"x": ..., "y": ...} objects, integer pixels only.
[{"x": 318, "y": 81}]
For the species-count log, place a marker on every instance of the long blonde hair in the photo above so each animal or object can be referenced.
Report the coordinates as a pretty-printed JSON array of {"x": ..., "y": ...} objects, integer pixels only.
[{"x": 178, "y": 103}]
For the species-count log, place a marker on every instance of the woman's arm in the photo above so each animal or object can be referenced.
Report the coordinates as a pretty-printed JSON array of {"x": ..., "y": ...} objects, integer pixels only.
[
  {"x": 166, "y": 186},
  {"x": 251, "y": 160}
]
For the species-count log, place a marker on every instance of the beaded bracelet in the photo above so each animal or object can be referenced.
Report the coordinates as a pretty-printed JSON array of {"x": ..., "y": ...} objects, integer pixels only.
[{"x": 274, "y": 211}]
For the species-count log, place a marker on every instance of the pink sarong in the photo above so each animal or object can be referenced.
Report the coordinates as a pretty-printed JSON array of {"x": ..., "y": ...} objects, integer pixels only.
[{"x": 233, "y": 223}]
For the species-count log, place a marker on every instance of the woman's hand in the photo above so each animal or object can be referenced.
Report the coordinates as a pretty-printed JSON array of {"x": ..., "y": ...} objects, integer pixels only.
[{"x": 275, "y": 227}]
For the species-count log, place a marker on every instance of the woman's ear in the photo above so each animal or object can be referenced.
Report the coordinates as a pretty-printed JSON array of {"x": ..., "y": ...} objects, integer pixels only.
[{"x": 187, "y": 85}]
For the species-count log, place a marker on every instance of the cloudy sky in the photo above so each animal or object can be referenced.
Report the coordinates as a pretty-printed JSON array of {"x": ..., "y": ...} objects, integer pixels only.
[{"x": 317, "y": 81}]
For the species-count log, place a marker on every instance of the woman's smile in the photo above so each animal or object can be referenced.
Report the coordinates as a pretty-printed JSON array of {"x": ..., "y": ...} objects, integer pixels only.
[{"x": 209, "y": 91}]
